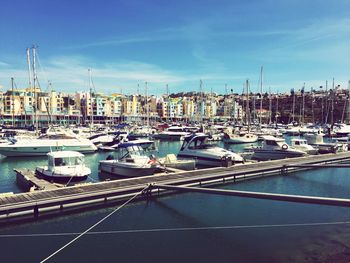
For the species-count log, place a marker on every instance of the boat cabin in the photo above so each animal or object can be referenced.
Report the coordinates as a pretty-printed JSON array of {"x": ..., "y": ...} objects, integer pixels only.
[
  {"x": 196, "y": 141},
  {"x": 64, "y": 158}
]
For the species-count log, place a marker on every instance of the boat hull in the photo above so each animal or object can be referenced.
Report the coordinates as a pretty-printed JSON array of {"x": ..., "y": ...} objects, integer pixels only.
[
  {"x": 59, "y": 178},
  {"x": 25, "y": 150},
  {"x": 119, "y": 169},
  {"x": 264, "y": 155}
]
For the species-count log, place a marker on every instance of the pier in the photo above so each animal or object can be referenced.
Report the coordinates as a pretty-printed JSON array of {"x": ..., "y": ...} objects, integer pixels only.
[
  {"x": 28, "y": 181},
  {"x": 34, "y": 204}
]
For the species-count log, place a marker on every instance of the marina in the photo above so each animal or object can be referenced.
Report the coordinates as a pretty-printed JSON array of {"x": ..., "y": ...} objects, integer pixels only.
[{"x": 151, "y": 131}]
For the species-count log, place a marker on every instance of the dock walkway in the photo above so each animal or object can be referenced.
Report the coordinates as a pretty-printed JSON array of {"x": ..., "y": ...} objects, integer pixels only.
[{"x": 104, "y": 191}]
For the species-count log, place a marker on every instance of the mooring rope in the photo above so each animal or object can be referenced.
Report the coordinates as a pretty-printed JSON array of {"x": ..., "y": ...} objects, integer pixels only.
[
  {"x": 152, "y": 230},
  {"x": 96, "y": 224}
]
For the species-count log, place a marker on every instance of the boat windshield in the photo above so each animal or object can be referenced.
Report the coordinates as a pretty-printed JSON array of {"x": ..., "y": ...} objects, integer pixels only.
[
  {"x": 200, "y": 143},
  {"x": 68, "y": 161}
]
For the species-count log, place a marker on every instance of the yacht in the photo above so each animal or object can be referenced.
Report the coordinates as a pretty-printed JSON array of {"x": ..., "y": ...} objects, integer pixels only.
[
  {"x": 275, "y": 148},
  {"x": 196, "y": 146},
  {"x": 239, "y": 137},
  {"x": 302, "y": 145},
  {"x": 132, "y": 162},
  {"x": 64, "y": 166},
  {"x": 46, "y": 143},
  {"x": 123, "y": 138},
  {"x": 174, "y": 133}
]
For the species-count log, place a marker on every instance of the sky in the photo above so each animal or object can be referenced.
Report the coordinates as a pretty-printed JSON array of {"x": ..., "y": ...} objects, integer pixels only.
[{"x": 127, "y": 43}]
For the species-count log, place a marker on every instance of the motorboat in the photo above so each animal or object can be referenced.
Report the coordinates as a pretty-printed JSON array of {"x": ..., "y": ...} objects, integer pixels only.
[
  {"x": 302, "y": 145},
  {"x": 275, "y": 148},
  {"x": 196, "y": 146},
  {"x": 173, "y": 133},
  {"x": 45, "y": 143},
  {"x": 317, "y": 141},
  {"x": 122, "y": 138},
  {"x": 64, "y": 166},
  {"x": 170, "y": 160},
  {"x": 131, "y": 162},
  {"x": 342, "y": 130}
]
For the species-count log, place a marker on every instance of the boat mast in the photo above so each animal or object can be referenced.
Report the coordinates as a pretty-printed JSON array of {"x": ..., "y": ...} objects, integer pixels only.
[
  {"x": 91, "y": 106},
  {"x": 247, "y": 106},
  {"x": 276, "y": 111},
  {"x": 293, "y": 109},
  {"x": 303, "y": 94},
  {"x": 332, "y": 104},
  {"x": 147, "y": 110},
  {"x": 270, "y": 106},
  {"x": 29, "y": 81},
  {"x": 35, "y": 91},
  {"x": 13, "y": 104},
  {"x": 348, "y": 121},
  {"x": 201, "y": 100},
  {"x": 261, "y": 95}
]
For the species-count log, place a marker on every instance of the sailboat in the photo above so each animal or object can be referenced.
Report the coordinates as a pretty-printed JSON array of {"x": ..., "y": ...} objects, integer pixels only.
[{"x": 241, "y": 136}]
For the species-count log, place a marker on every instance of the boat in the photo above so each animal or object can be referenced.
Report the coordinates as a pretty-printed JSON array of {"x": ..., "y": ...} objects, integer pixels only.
[
  {"x": 46, "y": 143},
  {"x": 240, "y": 137},
  {"x": 316, "y": 140},
  {"x": 302, "y": 145},
  {"x": 123, "y": 138},
  {"x": 196, "y": 146},
  {"x": 174, "y": 133},
  {"x": 275, "y": 148},
  {"x": 172, "y": 161},
  {"x": 64, "y": 166},
  {"x": 132, "y": 162}
]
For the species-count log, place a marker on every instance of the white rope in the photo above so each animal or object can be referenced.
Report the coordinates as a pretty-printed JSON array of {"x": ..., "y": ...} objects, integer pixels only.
[
  {"x": 177, "y": 229},
  {"x": 96, "y": 224}
]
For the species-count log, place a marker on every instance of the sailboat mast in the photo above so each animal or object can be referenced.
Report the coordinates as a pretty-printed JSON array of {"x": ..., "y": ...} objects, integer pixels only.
[
  {"x": 91, "y": 106},
  {"x": 270, "y": 106},
  {"x": 147, "y": 110},
  {"x": 348, "y": 121},
  {"x": 303, "y": 94},
  {"x": 332, "y": 103},
  {"x": 29, "y": 80},
  {"x": 247, "y": 105},
  {"x": 34, "y": 89},
  {"x": 293, "y": 110},
  {"x": 261, "y": 95},
  {"x": 13, "y": 104}
]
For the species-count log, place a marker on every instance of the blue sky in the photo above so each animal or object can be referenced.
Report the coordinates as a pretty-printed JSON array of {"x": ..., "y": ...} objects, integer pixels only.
[{"x": 128, "y": 42}]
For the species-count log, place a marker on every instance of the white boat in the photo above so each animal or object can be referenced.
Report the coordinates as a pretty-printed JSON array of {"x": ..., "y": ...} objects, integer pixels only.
[
  {"x": 122, "y": 139},
  {"x": 64, "y": 166},
  {"x": 174, "y": 133},
  {"x": 171, "y": 161},
  {"x": 342, "y": 130},
  {"x": 195, "y": 146},
  {"x": 275, "y": 148},
  {"x": 236, "y": 137},
  {"x": 46, "y": 143},
  {"x": 131, "y": 163},
  {"x": 302, "y": 145},
  {"x": 316, "y": 140}
]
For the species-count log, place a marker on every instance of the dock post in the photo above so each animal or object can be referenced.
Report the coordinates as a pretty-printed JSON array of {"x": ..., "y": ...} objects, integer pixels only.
[{"x": 36, "y": 211}]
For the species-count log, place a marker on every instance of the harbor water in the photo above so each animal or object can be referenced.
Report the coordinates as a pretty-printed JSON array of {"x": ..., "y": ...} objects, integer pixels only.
[{"x": 192, "y": 226}]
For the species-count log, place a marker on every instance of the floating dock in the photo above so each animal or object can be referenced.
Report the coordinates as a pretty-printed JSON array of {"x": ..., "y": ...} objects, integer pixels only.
[
  {"x": 36, "y": 203},
  {"x": 28, "y": 181}
]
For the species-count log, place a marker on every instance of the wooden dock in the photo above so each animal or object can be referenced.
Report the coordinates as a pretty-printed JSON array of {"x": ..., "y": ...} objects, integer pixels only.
[
  {"x": 35, "y": 203},
  {"x": 28, "y": 181}
]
